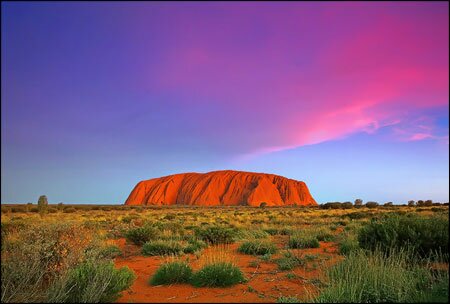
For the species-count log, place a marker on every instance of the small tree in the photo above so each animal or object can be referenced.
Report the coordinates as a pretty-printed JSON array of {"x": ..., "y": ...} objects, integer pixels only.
[
  {"x": 371, "y": 204},
  {"x": 42, "y": 204},
  {"x": 420, "y": 203},
  {"x": 428, "y": 203},
  {"x": 347, "y": 205},
  {"x": 28, "y": 206},
  {"x": 60, "y": 206},
  {"x": 388, "y": 204},
  {"x": 263, "y": 205},
  {"x": 411, "y": 203},
  {"x": 358, "y": 202}
]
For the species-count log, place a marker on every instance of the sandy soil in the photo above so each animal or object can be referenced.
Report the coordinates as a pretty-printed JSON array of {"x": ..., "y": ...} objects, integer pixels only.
[{"x": 265, "y": 282}]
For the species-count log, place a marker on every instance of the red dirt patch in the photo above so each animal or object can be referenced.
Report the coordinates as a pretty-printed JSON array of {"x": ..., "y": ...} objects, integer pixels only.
[{"x": 265, "y": 281}]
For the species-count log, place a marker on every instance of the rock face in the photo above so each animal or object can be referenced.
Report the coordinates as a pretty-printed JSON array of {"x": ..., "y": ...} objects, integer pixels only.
[{"x": 221, "y": 188}]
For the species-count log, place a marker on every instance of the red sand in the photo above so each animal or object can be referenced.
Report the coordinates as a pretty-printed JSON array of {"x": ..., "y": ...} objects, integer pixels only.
[
  {"x": 220, "y": 188},
  {"x": 266, "y": 281}
]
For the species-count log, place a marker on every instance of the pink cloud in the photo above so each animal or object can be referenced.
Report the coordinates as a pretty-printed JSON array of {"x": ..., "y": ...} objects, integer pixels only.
[{"x": 325, "y": 76}]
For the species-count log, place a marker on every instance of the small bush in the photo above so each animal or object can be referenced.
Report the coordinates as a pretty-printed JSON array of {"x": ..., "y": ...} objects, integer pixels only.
[
  {"x": 172, "y": 273},
  {"x": 69, "y": 210},
  {"x": 194, "y": 245},
  {"x": 371, "y": 205},
  {"x": 373, "y": 277},
  {"x": 216, "y": 235},
  {"x": 141, "y": 235},
  {"x": 257, "y": 247},
  {"x": 348, "y": 245},
  {"x": 162, "y": 247},
  {"x": 289, "y": 261},
  {"x": 92, "y": 283},
  {"x": 303, "y": 241},
  {"x": 424, "y": 235},
  {"x": 221, "y": 274},
  {"x": 110, "y": 252},
  {"x": 288, "y": 300}
]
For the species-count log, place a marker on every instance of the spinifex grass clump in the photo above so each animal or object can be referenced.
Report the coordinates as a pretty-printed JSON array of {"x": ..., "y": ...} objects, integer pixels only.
[
  {"x": 374, "y": 277},
  {"x": 257, "y": 247},
  {"x": 303, "y": 240},
  {"x": 194, "y": 245},
  {"x": 92, "y": 282},
  {"x": 290, "y": 260},
  {"x": 219, "y": 274},
  {"x": 110, "y": 252},
  {"x": 163, "y": 247},
  {"x": 171, "y": 273},
  {"x": 216, "y": 234},
  {"x": 141, "y": 235},
  {"x": 422, "y": 235}
]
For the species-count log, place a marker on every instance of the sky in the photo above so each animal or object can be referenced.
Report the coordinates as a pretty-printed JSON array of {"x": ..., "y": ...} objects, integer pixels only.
[{"x": 352, "y": 98}]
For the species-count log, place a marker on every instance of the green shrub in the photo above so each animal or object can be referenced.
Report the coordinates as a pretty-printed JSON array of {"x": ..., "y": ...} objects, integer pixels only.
[
  {"x": 374, "y": 277},
  {"x": 347, "y": 245},
  {"x": 171, "y": 273},
  {"x": 271, "y": 231},
  {"x": 221, "y": 274},
  {"x": 423, "y": 235},
  {"x": 288, "y": 300},
  {"x": 162, "y": 247},
  {"x": 92, "y": 283},
  {"x": 322, "y": 234},
  {"x": 216, "y": 234},
  {"x": 257, "y": 247},
  {"x": 289, "y": 261},
  {"x": 194, "y": 245},
  {"x": 68, "y": 210},
  {"x": 141, "y": 235},
  {"x": 110, "y": 252},
  {"x": 303, "y": 241}
]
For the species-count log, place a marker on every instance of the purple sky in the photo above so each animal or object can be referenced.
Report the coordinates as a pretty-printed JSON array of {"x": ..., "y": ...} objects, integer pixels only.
[{"x": 351, "y": 98}]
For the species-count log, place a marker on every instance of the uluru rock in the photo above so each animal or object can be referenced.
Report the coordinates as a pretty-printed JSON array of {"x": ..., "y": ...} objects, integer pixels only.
[{"x": 221, "y": 188}]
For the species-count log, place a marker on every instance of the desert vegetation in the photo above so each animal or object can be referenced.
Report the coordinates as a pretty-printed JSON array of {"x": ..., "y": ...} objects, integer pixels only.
[{"x": 341, "y": 252}]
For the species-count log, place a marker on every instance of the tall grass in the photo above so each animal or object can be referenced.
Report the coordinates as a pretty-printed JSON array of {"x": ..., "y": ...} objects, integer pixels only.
[
  {"x": 375, "y": 277},
  {"x": 423, "y": 235}
]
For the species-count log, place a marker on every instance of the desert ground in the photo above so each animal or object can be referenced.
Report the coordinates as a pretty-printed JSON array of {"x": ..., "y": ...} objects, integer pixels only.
[{"x": 129, "y": 254}]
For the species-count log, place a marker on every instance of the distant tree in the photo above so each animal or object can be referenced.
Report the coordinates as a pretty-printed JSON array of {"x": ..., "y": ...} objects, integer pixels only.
[
  {"x": 428, "y": 203},
  {"x": 263, "y": 205},
  {"x": 332, "y": 205},
  {"x": 28, "y": 207},
  {"x": 60, "y": 206},
  {"x": 371, "y": 204},
  {"x": 420, "y": 203},
  {"x": 347, "y": 205},
  {"x": 388, "y": 204},
  {"x": 42, "y": 204},
  {"x": 358, "y": 202},
  {"x": 411, "y": 203}
]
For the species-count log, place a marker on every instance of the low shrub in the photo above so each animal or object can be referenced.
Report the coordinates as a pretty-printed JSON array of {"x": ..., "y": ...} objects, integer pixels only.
[
  {"x": 194, "y": 245},
  {"x": 303, "y": 241},
  {"x": 288, "y": 300},
  {"x": 172, "y": 273},
  {"x": 289, "y": 261},
  {"x": 374, "y": 277},
  {"x": 347, "y": 245},
  {"x": 92, "y": 283},
  {"x": 110, "y": 252},
  {"x": 216, "y": 234},
  {"x": 141, "y": 235},
  {"x": 423, "y": 235},
  {"x": 162, "y": 247},
  {"x": 257, "y": 247},
  {"x": 221, "y": 274}
]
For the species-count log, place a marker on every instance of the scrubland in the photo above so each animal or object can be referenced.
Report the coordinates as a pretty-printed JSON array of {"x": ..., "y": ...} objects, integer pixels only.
[{"x": 224, "y": 254}]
